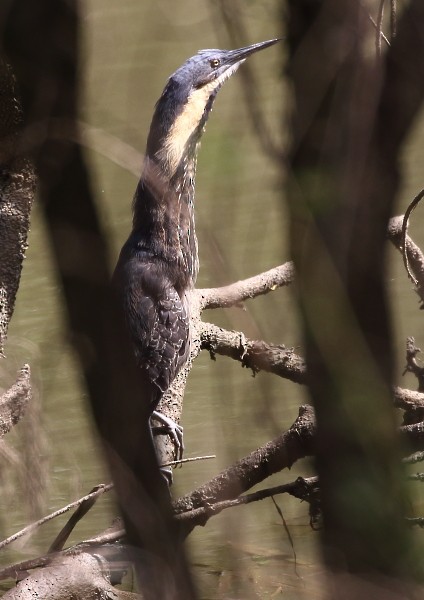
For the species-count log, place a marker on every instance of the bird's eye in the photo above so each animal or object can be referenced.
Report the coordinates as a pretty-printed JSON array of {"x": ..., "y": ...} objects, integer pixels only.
[{"x": 214, "y": 63}]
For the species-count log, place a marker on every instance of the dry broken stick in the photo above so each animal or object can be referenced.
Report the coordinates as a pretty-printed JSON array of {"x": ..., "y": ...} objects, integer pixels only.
[
  {"x": 100, "y": 489},
  {"x": 81, "y": 510},
  {"x": 14, "y": 401}
]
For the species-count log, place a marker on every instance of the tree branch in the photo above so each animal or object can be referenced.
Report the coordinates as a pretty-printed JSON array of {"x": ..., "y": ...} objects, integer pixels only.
[
  {"x": 101, "y": 489},
  {"x": 300, "y": 488},
  {"x": 17, "y": 188},
  {"x": 253, "y": 354},
  {"x": 235, "y": 293},
  {"x": 407, "y": 399},
  {"x": 280, "y": 453},
  {"x": 13, "y": 403},
  {"x": 70, "y": 578}
]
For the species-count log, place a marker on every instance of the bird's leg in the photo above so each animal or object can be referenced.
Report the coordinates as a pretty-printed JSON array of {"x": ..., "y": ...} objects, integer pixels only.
[
  {"x": 166, "y": 472},
  {"x": 175, "y": 431}
]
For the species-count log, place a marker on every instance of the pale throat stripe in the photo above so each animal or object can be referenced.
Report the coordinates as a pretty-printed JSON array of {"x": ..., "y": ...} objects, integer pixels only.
[{"x": 173, "y": 148}]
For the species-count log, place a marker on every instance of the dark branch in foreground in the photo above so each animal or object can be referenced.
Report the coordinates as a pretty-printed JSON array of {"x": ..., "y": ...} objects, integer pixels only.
[{"x": 17, "y": 189}]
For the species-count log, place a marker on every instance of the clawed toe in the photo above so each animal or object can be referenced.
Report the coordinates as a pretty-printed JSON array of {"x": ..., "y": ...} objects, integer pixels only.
[{"x": 175, "y": 432}]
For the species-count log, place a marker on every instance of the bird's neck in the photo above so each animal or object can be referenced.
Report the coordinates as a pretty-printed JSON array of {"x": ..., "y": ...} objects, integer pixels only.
[
  {"x": 163, "y": 222},
  {"x": 164, "y": 202}
]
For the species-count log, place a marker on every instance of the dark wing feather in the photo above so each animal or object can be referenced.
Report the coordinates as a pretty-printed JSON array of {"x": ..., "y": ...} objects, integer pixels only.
[
  {"x": 157, "y": 318},
  {"x": 161, "y": 339}
]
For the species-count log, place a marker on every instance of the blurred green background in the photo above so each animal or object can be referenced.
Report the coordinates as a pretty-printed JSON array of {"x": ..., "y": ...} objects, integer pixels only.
[{"x": 128, "y": 51}]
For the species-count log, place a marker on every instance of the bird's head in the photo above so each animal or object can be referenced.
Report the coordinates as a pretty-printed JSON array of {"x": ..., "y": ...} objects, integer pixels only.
[{"x": 183, "y": 108}]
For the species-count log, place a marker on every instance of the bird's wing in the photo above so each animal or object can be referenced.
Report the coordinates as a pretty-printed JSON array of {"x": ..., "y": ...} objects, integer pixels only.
[{"x": 159, "y": 326}]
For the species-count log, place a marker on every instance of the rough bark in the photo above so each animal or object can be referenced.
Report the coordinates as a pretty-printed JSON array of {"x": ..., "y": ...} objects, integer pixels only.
[
  {"x": 281, "y": 453},
  {"x": 17, "y": 188},
  {"x": 14, "y": 401}
]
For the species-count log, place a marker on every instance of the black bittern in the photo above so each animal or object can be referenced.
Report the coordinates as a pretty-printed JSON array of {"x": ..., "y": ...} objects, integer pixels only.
[{"x": 158, "y": 264}]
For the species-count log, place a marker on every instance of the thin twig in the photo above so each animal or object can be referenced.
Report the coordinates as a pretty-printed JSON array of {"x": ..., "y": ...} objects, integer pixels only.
[
  {"x": 298, "y": 488},
  {"x": 405, "y": 222},
  {"x": 416, "y": 477},
  {"x": 419, "y": 521},
  {"x": 70, "y": 525},
  {"x": 102, "y": 488},
  {"x": 187, "y": 460},
  {"x": 379, "y": 27},
  {"x": 382, "y": 34},
  {"x": 393, "y": 18},
  {"x": 287, "y": 530}
]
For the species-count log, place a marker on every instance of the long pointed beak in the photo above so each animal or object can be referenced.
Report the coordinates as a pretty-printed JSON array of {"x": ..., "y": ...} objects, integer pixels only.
[{"x": 235, "y": 56}]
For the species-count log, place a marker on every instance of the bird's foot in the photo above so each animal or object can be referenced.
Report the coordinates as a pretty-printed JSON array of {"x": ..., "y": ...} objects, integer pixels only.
[{"x": 175, "y": 432}]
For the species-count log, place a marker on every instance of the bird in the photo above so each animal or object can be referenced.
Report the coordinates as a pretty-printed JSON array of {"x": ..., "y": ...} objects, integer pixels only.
[{"x": 158, "y": 264}]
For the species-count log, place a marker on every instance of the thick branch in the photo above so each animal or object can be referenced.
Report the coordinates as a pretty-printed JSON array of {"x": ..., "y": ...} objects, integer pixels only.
[
  {"x": 17, "y": 187},
  {"x": 260, "y": 284},
  {"x": 407, "y": 399},
  {"x": 70, "y": 578},
  {"x": 278, "y": 454},
  {"x": 253, "y": 354}
]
